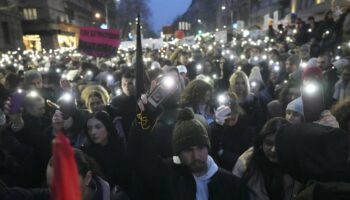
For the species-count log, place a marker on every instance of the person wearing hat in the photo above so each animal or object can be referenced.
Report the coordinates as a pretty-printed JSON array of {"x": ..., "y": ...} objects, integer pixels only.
[
  {"x": 295, "y": 112},
  {"x": 191, "y": 174},
  {"x": 342, "y": 87}
]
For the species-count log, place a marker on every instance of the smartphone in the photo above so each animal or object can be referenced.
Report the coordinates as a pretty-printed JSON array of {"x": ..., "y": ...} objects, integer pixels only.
[
  {"x": 17, "y": 100},
  {"x": 313, "y": 101},
  {"x": 57, "y": 107},
  {"x": 165, "y": 87}
]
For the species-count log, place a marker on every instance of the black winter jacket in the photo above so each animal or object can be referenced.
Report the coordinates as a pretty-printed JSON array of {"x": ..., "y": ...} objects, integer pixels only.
[{"x": 156, "y": 178}]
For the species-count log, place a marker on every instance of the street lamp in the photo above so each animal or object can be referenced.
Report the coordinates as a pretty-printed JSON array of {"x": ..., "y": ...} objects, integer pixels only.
[
  {"x": 199, "y": 21},
  {"x": 223, "y": 7},
  {"x": 97, "y": 15}
]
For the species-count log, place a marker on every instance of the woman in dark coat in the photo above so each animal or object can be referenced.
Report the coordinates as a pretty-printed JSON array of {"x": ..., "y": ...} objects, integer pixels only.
[
  {"x": 230, "y": 134},
  {"x": 106, "y": 148}
]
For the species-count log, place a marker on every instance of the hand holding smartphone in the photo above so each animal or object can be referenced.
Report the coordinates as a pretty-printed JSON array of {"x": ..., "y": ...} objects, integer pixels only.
[
  {"x": 16, "y": 102},
  {"x": 165, "y": 87}
]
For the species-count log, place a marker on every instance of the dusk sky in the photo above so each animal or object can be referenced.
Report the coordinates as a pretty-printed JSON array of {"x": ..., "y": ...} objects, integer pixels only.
[{"x": 165, "y": 11}]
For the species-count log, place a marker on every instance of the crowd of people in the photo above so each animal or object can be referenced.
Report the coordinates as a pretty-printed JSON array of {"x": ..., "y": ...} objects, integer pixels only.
[{"x": 236, "y": 124}]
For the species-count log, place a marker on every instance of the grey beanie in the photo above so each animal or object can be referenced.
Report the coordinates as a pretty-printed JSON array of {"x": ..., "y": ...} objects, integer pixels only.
[{"x": 31, "y": 75}]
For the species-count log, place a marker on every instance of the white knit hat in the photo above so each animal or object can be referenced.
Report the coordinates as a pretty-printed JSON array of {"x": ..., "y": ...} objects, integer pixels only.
[
  {"x": 155, "y": 65},
  {"x": 296, "y": 105},
  {"x": 182, "y": 68},
  {"x": 221, "y": 114}
]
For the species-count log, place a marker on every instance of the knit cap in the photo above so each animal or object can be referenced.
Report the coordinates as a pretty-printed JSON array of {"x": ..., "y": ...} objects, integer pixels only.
[
  {"x": 182, "y": 68},
  {"x": 296, "y": 105},
  {"x": 188, "y": 132},
  {"x": 31, "y": 75}
]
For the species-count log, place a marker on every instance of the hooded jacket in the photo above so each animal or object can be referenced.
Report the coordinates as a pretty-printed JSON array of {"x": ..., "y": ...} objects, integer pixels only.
[{"x": 310, "y": 151}]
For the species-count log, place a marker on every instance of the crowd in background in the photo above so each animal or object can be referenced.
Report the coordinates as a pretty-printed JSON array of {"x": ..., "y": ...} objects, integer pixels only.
[{"x": 242, "y": 91}]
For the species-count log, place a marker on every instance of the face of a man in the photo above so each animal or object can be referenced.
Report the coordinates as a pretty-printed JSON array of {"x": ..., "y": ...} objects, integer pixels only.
[
  {"x": 37, "y": 84},
  {"x": 195, "y": 159},
  {"x": 128, "y": 86},
  {"x": 322, "y": 62},
  {"x": 37, "y": 109},
  {"x": 290, "y": 67}
]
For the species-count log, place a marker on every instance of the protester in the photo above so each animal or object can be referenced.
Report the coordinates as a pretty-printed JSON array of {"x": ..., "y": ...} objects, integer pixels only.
[
  {"x": 259, "y": 166},
  {"x": 193, "y": 175},
  {"x": 94, "y": 102},
  {"x": 92, "y": 186},
  {"x": 230, "y": 136},
  {"x": 107, "y": 148},
  {"x": 250, "y": 103},
  {"x": 197, "y": 96}
]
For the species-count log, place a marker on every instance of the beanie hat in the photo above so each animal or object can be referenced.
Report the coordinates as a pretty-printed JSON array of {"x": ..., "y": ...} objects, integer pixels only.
[
  {"x": 296, "y": 105},
  {"x": 312, "y": 72},
  {"x": 31, "y": 75},
  {"x": 341, "y": 64},
  {"x": 312, "y": 62},
  {"x": 182, "y": 68},
  {"x": 188, "y": 132},
  {"x": 155, "y": 65},
  {"x": 221, "y": 114}
]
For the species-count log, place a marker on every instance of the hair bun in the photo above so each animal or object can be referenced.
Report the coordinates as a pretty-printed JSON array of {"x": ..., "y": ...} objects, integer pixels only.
[{"x": 185, "y": 114}]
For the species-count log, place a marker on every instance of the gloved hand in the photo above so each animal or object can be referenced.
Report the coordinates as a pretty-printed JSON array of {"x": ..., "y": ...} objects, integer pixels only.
[{"x": 221, "y": 114}]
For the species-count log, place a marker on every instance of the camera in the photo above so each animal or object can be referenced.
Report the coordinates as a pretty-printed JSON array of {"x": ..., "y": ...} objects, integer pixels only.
[
  {"x": 165, "y": 87},
  {"x": 65, "y": 105}
]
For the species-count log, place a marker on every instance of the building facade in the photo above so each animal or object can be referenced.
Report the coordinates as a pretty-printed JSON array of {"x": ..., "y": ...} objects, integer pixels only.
[
  {"x": 51, "y": 24},
  {"x": 281, "y": 11},
  {"x": 10, "y": 27}
]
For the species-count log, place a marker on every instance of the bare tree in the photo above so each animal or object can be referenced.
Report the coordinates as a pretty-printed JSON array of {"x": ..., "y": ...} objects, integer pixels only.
[{"x": 127, "y": 12}]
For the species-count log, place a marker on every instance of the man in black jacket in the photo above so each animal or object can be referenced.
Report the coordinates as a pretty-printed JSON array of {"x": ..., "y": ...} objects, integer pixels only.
[{"x": 191, "y": 174}]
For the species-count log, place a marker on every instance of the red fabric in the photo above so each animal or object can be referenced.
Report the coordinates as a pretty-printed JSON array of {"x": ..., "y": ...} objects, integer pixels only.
[
  {"x": 315, "y": 72},
  {"x": 65, "y": 184}
]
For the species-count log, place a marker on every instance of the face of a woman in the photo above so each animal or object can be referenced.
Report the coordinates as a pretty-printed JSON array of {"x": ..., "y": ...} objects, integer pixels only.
[
  {"x": 269, "y": 148},
  {"x": 49, "y": 177},
  {"x": 293, "y": 117},
  {"x": 97, "y": 131},
  {"x": 96, "y": 104},
  {"x": 240, "y": 86},
  {"x": 206, "y": 97}
]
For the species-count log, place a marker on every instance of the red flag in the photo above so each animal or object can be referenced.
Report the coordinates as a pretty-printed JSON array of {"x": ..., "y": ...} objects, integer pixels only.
[{"x": 65, "y": 184}]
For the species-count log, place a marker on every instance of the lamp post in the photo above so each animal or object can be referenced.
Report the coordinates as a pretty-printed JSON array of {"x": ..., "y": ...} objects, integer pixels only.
[
  {"x": 228, "y": 4},
  {"x": 106, "y": 13}
]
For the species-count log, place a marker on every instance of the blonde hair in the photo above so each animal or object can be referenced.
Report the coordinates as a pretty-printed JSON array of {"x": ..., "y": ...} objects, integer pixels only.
[
  {"x": 233, "y": 79},
  {"x": 90, "y": 90}
]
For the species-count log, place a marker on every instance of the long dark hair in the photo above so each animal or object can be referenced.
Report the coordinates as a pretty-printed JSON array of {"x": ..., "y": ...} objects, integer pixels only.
[
  {"x": 260, "y": 167},
  {"x": 105, "y": 119}
]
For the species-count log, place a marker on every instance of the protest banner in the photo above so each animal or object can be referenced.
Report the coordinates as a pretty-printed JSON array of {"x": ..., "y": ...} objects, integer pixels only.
[{"x": 98, "y": 42}]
